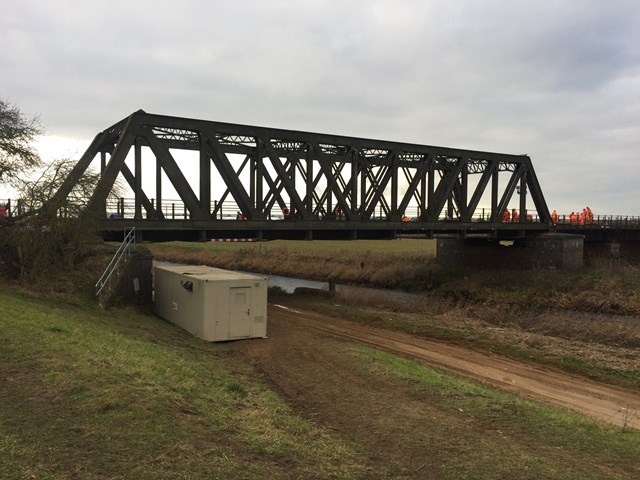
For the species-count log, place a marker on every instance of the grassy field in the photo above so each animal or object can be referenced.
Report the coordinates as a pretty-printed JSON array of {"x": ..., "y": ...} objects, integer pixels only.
[{"x": 92, "y": 394}]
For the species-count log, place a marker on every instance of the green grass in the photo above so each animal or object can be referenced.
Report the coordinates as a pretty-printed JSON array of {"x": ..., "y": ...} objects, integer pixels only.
[
  {"x": 509, "y": 435},
  {"x": 89, "y": 394},
  {"x": 386, "y": 317}
]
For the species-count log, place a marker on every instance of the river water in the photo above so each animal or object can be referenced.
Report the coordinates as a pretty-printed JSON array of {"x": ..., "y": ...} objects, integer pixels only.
[{"x": 289, "y": 285}]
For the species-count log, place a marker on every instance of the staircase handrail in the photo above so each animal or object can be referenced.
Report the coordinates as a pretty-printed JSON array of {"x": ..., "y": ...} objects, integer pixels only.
[{"x": 122, "y": 251}]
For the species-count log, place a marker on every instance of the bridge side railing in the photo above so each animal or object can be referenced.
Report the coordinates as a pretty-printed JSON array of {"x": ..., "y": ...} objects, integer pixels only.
[
  {"x": 603, "y": 221},
  {"x": 124, "y": 208},
  {"x": 124, "y": 250}
]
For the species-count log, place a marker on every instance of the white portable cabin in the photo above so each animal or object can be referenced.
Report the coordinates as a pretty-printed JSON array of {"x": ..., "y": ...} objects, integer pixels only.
[{"x": 211, "y": 303}]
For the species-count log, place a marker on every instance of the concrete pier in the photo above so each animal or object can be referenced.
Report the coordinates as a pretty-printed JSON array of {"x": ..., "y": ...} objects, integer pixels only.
[{"x": 548, "y": 250}]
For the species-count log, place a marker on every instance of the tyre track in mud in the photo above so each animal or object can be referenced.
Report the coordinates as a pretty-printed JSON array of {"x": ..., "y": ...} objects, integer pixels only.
[{"x": 612, "y": 404}]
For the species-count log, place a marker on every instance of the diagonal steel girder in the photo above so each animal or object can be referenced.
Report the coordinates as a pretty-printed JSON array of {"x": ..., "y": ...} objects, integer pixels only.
[
  {"x": 226, "y": 193},
  {"x": 296, "y": 202},
  {"x": 375, "y": 195},
  {"x": 332, "y": 186},
  {"x": 222, "y": 163},
  {"x": 175, "y": 175}
]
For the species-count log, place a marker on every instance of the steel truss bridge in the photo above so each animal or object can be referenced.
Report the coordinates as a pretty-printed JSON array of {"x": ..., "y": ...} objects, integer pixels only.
[{"x": 256, "y": 182}]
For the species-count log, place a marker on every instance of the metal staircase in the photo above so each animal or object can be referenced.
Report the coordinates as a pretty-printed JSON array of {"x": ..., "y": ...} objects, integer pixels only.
[{"x": 118, "y": 260}]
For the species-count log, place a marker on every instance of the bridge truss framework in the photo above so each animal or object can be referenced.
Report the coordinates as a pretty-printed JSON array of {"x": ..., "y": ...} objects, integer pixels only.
[{"x": 318, "y": 184}]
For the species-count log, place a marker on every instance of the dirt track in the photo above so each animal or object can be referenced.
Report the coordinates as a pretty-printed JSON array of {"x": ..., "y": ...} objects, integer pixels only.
[{"x": 601, "y": 401}]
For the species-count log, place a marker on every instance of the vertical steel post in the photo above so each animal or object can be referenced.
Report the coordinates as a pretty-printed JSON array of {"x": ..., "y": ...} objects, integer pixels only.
[
  {"x": 138, "y": 174},
  {"x": 205, "y": 181}
]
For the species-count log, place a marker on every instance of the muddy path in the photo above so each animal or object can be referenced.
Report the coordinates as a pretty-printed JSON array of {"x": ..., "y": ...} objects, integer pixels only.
[{"x": 604, "y": 402}]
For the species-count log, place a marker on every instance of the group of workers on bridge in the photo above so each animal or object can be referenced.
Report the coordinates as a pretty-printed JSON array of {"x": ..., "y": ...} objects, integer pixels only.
[
  {"x": 575, "y": 218},
  {"x": 514, "y": 216}
]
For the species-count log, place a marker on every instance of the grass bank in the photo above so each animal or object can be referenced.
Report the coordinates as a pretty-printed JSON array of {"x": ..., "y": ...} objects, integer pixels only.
[
  {"x": 493, "y": 434},
  {"x": 93, "y": 395}
]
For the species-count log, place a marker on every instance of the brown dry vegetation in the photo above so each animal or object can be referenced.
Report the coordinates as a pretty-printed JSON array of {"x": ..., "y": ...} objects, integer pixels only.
[
  {"x": 403, "y": 264},
  {"x": 71, "y": 284}
]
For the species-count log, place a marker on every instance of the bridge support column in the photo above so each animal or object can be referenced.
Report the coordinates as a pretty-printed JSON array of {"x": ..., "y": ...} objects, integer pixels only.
[{"x": 548, "y": 250}]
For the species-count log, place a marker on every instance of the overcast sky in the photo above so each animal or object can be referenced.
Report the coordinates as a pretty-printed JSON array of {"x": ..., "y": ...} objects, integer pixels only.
[{"x": 558, "y": 80}]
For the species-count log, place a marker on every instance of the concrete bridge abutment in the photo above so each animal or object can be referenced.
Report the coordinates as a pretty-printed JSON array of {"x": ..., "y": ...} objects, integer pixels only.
[{"x": 548, "y": 250}]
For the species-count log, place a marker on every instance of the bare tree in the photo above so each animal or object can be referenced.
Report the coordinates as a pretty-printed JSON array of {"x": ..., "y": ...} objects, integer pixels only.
[
  {"x": 17, "y": 134},
  {"x": 36, "y": 194},
  {"x": 40, "y": 242}
]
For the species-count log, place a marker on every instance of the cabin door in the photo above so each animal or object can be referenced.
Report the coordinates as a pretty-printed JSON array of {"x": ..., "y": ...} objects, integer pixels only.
[{"x": 240, "y": 312}]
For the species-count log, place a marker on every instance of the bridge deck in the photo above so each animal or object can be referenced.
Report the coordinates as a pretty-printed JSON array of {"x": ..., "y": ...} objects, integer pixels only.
[
  {"x": 602, "y": 229},
  {"x": 293, "y": 229}
]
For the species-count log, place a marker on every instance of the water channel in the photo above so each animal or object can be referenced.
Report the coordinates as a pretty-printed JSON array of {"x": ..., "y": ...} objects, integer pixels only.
[{"x": 289, "y": 285}]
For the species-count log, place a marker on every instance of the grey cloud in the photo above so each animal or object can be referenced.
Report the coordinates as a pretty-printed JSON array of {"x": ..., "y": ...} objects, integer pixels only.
[{"x": 558, "y": 80}]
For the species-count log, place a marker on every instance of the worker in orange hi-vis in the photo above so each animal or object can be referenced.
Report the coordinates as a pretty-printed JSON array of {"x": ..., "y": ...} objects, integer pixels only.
[
  {"x": 515, "y": 216},
  {"x": 576, "y": 218},
  {"x": 589, "y": 215},
  {"x": 554, "y": 217},
  {"x": 583, "y": 216},
  {"x": 506, "y": 216}
]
